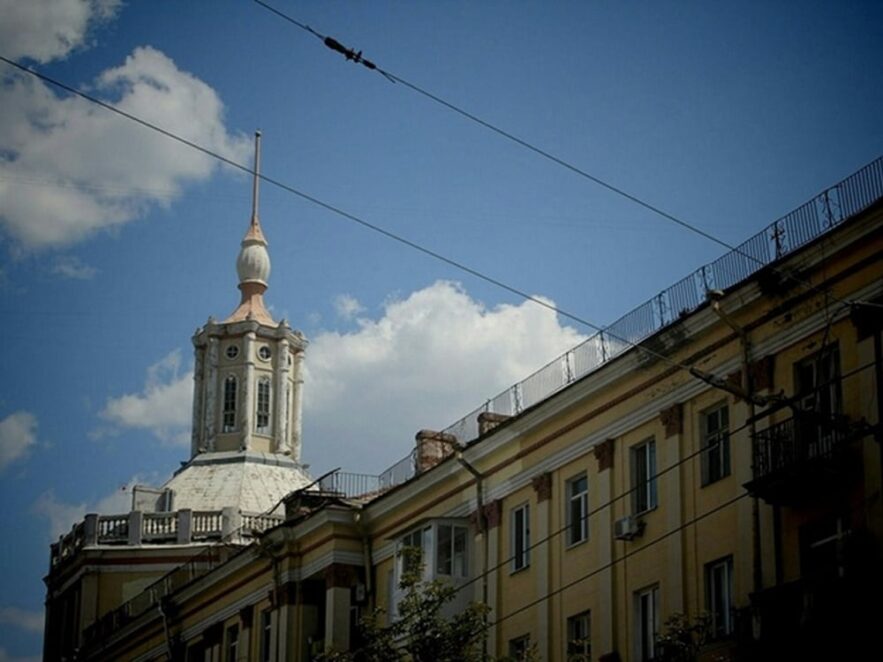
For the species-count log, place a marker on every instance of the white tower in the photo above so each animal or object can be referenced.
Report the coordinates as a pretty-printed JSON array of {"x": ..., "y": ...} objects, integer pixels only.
[{"x": 247, "y": 396}]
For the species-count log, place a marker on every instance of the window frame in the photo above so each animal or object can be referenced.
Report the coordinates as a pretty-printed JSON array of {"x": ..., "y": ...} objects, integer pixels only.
[
  {"x": 263, "y": 396},
  {"x": 577, "y": 525},
  {"x": 266, "y": 641},
  {"x": 645, "y": 647},
  {"x": 460, "y": 531},
  {"x": 229, "y": 404},
  {"x": 578, "y": 648},
  {"x": 727, "y": 628},
  {"x": 519, "y": 647},
  {"x": 716, "y": 459},
  {"x": 231, "y": 643},
  {"x": 520, "y": 540},
  {"x": 644, "y": 489}
]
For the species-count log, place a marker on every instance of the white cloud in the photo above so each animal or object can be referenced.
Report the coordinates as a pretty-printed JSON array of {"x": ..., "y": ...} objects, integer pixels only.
[
  {"x": 46, "y": 30},
  {"x": 430, "y": 359},
  {"x": 347, "y": 306},
  {"x": 101, "y": 169},
  {"x": 63, "y": 515},
  {"x": 6, "y": 657},
  {"x": 23, "y": 619},
  {"x": 18, "y": 433},
  {"x": 163, "y": 406},
  {"x": 70, "y": 266}
]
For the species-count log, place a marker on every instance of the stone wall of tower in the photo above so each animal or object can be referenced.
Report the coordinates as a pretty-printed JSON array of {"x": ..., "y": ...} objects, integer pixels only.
[{"x": 266, "y": 365}]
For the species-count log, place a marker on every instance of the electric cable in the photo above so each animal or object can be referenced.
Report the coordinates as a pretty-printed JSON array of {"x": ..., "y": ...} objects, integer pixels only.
[
  {"x": 356, "y": 57},
  {"x": 695, "y": 372}
]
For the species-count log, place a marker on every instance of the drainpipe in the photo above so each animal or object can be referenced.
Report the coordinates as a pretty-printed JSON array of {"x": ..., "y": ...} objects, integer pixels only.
[
  {"x": 165, "y": 628},
  {"x": 482, "y": 527},
  {"x": 748, "y": 388}
]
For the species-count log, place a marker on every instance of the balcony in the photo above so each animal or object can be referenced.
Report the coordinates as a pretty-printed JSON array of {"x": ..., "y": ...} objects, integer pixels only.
[{"x": 802, "y": 459}]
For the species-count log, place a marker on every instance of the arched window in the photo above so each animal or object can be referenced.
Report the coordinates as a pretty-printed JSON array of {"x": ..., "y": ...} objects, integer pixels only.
[
  {"x": 262, "y": 419},
  {"x": 229, "y": 419}
]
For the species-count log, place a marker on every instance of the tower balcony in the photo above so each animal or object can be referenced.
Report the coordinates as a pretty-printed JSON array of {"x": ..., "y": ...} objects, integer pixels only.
[
  {"x": 180, "y": 527},
  {"x": 802, "y": 458}
]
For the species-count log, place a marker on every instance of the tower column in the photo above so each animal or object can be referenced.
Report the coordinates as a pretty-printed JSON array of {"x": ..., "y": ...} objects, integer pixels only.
[
  {"x": 197, "y": 430},
  {"x": 247, "y": 392},
  {"x": 280, "y": 427},
  {"x": 297, "y": 404},
  {"x": 211, "y": 386}
]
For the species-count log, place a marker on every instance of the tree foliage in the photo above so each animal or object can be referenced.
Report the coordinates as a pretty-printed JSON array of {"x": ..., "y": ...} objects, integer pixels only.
[{"x": 422, "y": 631}]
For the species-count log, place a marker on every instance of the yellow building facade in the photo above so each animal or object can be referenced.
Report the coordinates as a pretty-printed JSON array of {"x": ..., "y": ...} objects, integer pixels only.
[{"x": 716, "y": 454}]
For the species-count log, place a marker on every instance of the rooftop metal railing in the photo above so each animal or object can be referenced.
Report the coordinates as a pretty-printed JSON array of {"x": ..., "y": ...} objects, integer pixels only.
[{"x": 785, "y": 235}]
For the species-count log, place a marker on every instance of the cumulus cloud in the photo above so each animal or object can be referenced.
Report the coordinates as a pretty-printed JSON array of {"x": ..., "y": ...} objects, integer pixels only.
[
  {"x": 18, "y": 433},
  {"x": 163, "y": 406},
  {"x": 69, "y": 266},
  {"x": 46, "y": 30},
  {"x": 23, "y": 619},
  {"x": 99, "y": 169},
  {"x": 348, "y": 306},
  {"x": 425, "y": 361},
  {"x": 62, "y": 515},
  {"x": 428, "y": 360}
]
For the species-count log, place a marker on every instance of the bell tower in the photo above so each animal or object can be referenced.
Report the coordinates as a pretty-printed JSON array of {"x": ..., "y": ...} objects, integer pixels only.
[
  {"x": 248, "y": 378},
  {"x": 245, "y": 450}
]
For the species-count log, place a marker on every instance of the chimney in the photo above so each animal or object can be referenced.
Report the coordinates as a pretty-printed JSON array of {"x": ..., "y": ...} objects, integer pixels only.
[
  {"x": 432, "y": 448},
  {"x": 488, "y": 420}
]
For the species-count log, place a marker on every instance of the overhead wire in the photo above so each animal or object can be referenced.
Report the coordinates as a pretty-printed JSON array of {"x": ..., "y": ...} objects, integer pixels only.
[
  {"x": 695, "y": 372},
  {"x": 356, "y": 56}
]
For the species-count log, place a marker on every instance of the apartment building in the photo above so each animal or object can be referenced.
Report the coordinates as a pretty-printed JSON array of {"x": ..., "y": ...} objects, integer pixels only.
[{"x": 715, "y": 453}]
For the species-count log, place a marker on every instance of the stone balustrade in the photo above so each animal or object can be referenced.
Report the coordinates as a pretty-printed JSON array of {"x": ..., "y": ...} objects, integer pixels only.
[{"x": 180, "y": 527}]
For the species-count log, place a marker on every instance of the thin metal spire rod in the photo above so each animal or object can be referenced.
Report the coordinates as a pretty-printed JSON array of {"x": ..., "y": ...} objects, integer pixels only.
[{"x": 257, "y": 176}]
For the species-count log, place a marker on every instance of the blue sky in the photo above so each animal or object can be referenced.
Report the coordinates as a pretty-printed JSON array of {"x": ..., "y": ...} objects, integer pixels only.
[{"x": 116, "y": 244}]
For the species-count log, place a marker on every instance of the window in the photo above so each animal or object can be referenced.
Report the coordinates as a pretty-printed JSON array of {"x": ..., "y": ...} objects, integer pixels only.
[
  {"x": 579, "y": 642},
  {"x": 520, "y": 537},
  {"x": 716, "y": 444},
  {"x": 264, "y": 353},
  {"x": 643, "y": 477},
  {"x": 231, "y": 646},
  {"x": 413, "y": 549},
  {"x": 450, "y": 550},
  {"x": 646, "y": 622},
  {"x": 232, "y": 352},
  {"x": 817, "y": 385},
  {"x": 263, "y": 412},
  {"x": 577, "y": 509},
  {"x": 719, "y": 596},
  {"x": 519, "y": 647},
  {"x": 229, "y": 422},
  {"x": 196, "y": 652},
  {"x": 266, "y": 635}
]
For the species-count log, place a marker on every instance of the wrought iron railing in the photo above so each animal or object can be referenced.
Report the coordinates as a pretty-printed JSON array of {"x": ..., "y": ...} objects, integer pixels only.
[
  {"x": 809, "y": 221},
  {"x": 350, "y": 485},
  {"x": 793, "y": 442}
]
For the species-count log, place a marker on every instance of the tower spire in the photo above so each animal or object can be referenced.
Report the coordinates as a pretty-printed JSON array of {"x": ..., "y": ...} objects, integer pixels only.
[
  {"x": 255, "y": 190},
  {"x": 253, "y": 263}
]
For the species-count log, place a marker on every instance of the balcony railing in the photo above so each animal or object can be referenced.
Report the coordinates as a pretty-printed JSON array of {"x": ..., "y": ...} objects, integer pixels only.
[
  {"x": 351, "y": 485},
  {"x": 178, "y": 527},
  {"x": 799, "y": 456}
]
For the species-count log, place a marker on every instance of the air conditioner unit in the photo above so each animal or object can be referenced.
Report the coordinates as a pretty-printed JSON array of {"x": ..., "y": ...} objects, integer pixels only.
[{"x": 628, "y": 528}]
